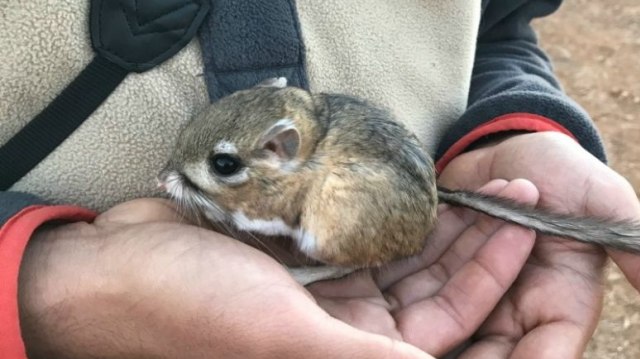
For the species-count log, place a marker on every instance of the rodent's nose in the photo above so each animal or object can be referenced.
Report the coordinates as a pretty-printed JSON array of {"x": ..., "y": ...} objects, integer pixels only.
[
  {"x": 162, "y": 178},
  {"x": 161, "y": 184}
]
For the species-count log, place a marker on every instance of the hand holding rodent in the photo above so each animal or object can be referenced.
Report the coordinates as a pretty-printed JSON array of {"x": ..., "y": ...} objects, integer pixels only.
[
  {"x": 556, "y": 301},
  {"x": 439, "y": 298},
  {"x": 140, "y": 283},
  {"x": 352, "y": 186}
]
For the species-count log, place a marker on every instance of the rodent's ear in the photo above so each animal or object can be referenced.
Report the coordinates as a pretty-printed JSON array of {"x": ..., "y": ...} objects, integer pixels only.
[
  {"x": 283, "y": 139},
  {"x": 279, "y": 82}
]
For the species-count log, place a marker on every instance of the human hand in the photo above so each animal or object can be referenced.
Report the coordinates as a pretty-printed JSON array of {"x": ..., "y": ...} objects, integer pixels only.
[
  {"x": 139, "y": 283},
  {"x": 440, "y": 298},
  {"x": 553, "y": 308}
]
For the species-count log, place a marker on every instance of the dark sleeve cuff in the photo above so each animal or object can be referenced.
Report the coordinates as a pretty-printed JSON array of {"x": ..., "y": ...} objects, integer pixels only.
[
  {"x": 511, "y": 122},
  {"x": 564, "y": 112},
  {"x": 14, "y": 235}
]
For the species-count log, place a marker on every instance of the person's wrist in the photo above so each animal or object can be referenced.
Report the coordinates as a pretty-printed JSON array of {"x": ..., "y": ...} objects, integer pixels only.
[{"x": 54, "y": 286}]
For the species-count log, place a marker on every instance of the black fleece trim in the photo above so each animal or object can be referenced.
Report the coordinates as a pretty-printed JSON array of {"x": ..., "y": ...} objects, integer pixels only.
[
  {"x": 13, "y": 202},
  {"x": 245, "y": 42},
  {"x": 138, "y": 35},
  {"x": 512, "y": 74}
]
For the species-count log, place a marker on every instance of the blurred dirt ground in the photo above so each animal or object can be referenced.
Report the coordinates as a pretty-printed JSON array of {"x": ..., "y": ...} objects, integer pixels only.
[{"x": 595, "y": 47}]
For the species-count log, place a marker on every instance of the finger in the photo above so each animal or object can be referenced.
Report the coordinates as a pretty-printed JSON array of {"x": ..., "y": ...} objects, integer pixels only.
[
  {"x": 470, "y": 232},
  {"x": 355, "y": 285},
  {"x": 629, "y": 210},
  {"x": 468, "y": 297},
  {"x": 494, "y": 347},
  {"x": 556, "y": 340},
  {"x": 369, "y": 314},
  {"x": 357, "y": 301},
  {"x": 477, "y": 163},
  {"x": 452, "y": 222},
  {"x": 629, "y": 264},
  {"x": 493, "y": 187},
  {"x": 483, "y": 226}
]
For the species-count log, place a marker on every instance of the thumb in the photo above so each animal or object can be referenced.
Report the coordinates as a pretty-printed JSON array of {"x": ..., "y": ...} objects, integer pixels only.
[
  {"x": 629, "y": 263},
  {"x": 142, "y": 210},
  {"x": 335, "y": 339},
  {"x": 456, "y": 174}
]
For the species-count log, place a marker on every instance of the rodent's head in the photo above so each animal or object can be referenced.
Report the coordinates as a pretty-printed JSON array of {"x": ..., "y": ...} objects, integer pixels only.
[{"x": 239, "y": 158}]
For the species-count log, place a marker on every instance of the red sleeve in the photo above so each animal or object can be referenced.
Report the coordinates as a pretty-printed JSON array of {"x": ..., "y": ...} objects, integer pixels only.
[
  {"x": 14, "y": 236},
  {"x": 510, "y": 122}
]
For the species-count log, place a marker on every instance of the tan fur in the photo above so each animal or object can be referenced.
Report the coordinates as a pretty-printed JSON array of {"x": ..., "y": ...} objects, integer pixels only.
[
  {"x": 356, "y": 204},
  {"x": 350, "y": 233}
]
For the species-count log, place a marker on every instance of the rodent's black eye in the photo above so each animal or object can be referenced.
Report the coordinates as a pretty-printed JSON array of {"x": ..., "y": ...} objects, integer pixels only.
[{"x": 225, "y": 164}]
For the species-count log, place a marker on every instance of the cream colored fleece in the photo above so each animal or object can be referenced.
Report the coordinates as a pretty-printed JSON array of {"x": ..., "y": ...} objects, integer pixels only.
[
  {"x": 115, "y": 155},
  {"x": 415, "y": 56}
]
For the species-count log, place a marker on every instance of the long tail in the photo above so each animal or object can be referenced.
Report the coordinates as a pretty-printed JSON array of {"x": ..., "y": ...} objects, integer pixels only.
[{"x": 620, "y": 235}]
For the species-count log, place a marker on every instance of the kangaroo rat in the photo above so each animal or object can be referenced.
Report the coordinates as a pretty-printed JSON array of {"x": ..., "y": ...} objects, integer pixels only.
[{"x": 338, "y": 175}]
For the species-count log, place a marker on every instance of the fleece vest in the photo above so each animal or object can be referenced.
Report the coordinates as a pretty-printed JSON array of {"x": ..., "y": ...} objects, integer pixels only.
[{"x": 413, "y": 56}]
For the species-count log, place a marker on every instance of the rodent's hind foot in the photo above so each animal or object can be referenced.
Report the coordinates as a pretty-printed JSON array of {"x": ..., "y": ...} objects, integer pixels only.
[{"x": 308, "y": 275}]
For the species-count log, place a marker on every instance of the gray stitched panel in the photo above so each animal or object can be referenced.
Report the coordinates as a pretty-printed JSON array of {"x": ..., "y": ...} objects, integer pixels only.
[
  {"x": 13, "y": 202},
  {"x": 244, "y": 42}
]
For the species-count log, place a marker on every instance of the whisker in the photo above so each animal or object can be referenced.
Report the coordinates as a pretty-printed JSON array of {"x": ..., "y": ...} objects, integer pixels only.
[
  {"x": 196, "y": 206},
  {"x": 264, "y": 245}
]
